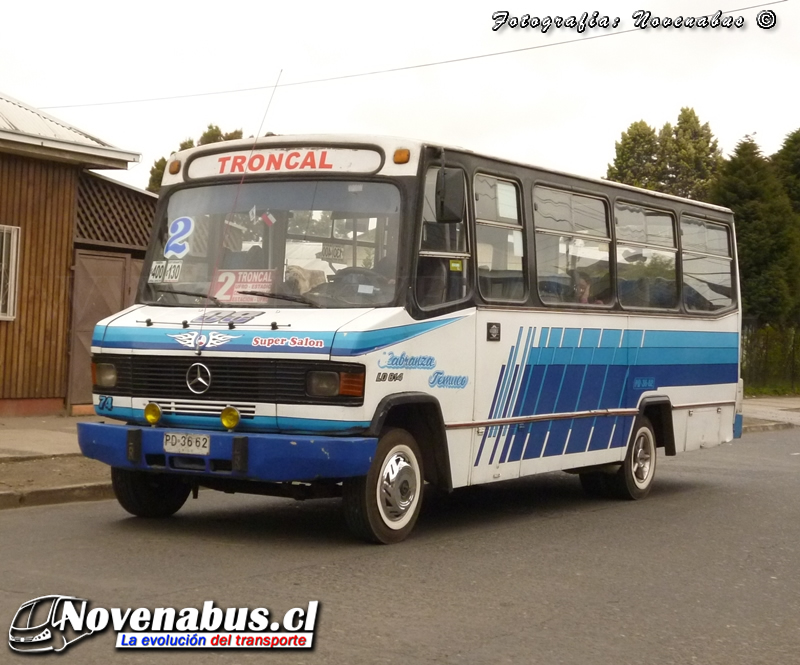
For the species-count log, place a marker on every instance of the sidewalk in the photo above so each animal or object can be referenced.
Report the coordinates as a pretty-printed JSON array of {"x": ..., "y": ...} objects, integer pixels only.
[
  {"x": 41, "y": 463},
  {"x": 762, "y": 413}
]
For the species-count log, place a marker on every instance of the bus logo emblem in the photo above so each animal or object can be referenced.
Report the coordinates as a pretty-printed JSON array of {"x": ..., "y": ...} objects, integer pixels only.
[{"x": 198, "y": 378}]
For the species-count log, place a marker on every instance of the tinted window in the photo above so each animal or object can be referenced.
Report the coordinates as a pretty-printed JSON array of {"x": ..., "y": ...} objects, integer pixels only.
[
  {"x": 706, "y": 237},
  {"x": 646, "y": 258},
  {"x": 572, "y": 248},
  {"x": 568, "y": 212},
  {"x": 499, "y": 239}
]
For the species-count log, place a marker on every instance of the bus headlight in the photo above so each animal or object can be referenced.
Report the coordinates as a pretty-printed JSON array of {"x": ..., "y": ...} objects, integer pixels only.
[
  {"x": 152, "y": 413},
  {"x": 104, "y": 375},
  {"x": 333, "y": 384},
  {"x": 229, "y": 417},
  {"x": 322, "y": 384}
]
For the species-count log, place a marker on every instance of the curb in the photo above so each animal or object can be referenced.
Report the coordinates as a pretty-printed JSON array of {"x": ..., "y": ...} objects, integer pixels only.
[
  {"x": 34, "y": 457},
  {"x": 766, "y": 427},
  {"x": 52, "y": 495}
]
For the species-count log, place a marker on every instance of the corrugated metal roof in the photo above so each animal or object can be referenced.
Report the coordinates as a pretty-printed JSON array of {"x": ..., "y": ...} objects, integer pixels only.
[
  {"x": 19, "y": 117},
  {"x": 24, "y": 124}
]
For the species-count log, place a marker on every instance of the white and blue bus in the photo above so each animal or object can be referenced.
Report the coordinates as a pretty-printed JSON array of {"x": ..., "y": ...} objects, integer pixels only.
[{"x": 358, "y": 316}]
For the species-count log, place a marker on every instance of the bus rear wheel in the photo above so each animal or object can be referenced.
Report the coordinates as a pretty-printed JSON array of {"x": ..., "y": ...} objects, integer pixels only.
[
  {"x": 383, "y": 506},
  {"x": 634, "y": 480},
  {"x": 148, "y": 494}
]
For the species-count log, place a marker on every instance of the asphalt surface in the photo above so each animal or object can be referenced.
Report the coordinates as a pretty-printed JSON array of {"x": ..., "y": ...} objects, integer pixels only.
[
  {"x": 705, "y": 570},
  {"x": 40, "y": 461}
]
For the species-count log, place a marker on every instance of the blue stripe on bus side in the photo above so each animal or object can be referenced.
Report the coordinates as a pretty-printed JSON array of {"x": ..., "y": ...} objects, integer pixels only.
[
  {"x": 610, "y": 337},
  {"x": 514, "y": 403},
  {"x": 590, "y": 338},
  {"x": 129, "y": 337},
  {"x": 358, "y": 343},
  {"x": 687, "y": 356},
  {"x": 579, "y": 436},
  {"x": 496, "y": 432},
  {"x": 673, "y": 339},
  {"x": 569, "y": 369},
  {"x": 503, "y": 413},
  {"x": 491, "y": 412},
  {"x": 536, "y": 442}
]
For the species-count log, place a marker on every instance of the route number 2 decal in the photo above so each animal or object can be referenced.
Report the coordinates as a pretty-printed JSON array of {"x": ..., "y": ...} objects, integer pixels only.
[
  {"x": 179, "y": 230},
  {"x": 226, "y": 281}
]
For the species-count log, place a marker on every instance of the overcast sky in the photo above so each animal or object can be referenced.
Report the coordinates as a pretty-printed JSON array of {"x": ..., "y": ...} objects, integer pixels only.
[{"x": 562, "y": 106}]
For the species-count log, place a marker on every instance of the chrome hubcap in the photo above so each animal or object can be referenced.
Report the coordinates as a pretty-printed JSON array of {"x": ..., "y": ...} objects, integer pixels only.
[
  {"x": 642, "y": 459},
  {"x": 398, "y": 488}
]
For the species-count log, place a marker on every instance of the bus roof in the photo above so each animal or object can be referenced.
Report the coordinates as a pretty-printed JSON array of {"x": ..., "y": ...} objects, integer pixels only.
[{"x": 389, "y": 144}]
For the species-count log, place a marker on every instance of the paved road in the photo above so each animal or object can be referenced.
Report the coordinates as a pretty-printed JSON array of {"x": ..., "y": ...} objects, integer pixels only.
[{"x": 706, "y": 570}]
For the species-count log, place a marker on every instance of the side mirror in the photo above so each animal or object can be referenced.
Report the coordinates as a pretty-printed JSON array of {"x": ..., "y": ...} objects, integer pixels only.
[{"x": 450, "y": 195}]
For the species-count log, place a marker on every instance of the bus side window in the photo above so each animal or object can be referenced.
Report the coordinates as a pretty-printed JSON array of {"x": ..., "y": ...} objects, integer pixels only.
[{"x": 443, "y": 261}]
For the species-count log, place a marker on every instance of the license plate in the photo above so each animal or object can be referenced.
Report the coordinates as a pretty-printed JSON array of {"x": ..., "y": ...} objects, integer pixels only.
[{"x": 181, "y": 443}]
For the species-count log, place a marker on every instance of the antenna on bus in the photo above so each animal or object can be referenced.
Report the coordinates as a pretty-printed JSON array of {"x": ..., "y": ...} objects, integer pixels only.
[
  {"x": 269, "y": 103},
  {"x": 241, "y": 182}
]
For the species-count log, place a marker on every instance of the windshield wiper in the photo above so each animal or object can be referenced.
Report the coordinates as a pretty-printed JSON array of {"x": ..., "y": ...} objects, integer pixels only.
[
  {"x": 196, "y": 294},
  {"x": 280, "y": 296}
]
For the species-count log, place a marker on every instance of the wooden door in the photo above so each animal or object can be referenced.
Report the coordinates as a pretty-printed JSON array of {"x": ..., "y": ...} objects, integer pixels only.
[{"x": 100, "y": 289}]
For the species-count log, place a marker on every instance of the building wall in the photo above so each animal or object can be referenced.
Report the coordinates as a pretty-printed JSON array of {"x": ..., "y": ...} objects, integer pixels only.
[{"x": 40, "y": 198}]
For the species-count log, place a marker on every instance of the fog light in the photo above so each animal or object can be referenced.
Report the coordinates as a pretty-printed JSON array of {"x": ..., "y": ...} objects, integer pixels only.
[
  {"x": 105, "y": 375},
  {"x": 229, "y": 417},
  {"x": 152, "y": 413}
]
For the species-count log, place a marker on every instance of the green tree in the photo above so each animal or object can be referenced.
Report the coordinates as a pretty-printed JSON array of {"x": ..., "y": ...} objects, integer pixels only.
[
  {"x": 766, "y": 231},
  {"x": 156, "y": 175},
  {"x": 664, "y": 157},
  {"x": 696, "y": 158},
  {"x": 213, "y": 134},
  {"x": 787, "y": 164},
  {"x": 683, "y": 159},
  {"x": 635, "y": 161}
]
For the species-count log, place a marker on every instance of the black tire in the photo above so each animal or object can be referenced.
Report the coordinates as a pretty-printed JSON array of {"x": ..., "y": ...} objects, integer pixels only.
[
  {"x": 634, "y": 480},
  {"x": 595, "y": 485},
  {"x": 383, "y": 506},
  {"x": 148, "y": 494}
]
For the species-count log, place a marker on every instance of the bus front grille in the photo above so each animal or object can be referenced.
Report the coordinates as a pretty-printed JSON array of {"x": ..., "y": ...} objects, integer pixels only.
[{"x": 248, "y": 380}]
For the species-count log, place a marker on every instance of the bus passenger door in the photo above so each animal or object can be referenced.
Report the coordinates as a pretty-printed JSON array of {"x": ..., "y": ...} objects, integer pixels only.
[
  {"x": 501, "y": 375},
  {"x": 504, "y": 333}
]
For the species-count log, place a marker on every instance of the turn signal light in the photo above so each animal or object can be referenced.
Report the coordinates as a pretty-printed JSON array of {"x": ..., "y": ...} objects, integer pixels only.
[
  {"x": 351, "y": 384},
  {"x": 402, "y": 155},
  {"x": 175, "y": 167}
]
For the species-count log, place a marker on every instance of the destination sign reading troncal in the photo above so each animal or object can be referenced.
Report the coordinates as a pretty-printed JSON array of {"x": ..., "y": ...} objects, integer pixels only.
[{"x": 280, "y": 160}]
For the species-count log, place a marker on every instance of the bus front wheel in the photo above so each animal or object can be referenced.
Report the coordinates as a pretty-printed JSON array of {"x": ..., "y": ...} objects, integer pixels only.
[
  {"x": 634, "y": 480},
  {"x": 148, "y": 494},
  {"x": 383, "y": 506}
]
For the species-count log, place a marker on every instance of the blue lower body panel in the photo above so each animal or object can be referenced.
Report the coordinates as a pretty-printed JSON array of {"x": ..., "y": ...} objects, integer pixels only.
[
  {"x": 738, "y": 424},
  {"x": 269, "y": 457}
]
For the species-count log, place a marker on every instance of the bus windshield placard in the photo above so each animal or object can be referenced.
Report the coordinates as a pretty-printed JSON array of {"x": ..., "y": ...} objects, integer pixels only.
[{"x": 286, "y": 160}]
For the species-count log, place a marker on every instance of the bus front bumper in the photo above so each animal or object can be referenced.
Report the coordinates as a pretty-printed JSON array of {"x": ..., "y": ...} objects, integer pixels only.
[{"x": 265, "y": 457}]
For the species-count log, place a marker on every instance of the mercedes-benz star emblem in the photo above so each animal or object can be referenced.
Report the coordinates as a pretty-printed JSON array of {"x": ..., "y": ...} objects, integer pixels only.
[{"x": 198, "y": 378}]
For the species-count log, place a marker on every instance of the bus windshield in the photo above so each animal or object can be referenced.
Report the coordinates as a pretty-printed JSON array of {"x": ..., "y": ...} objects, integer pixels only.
[{"x": 309, "y": 243}]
